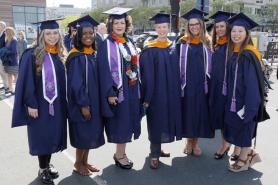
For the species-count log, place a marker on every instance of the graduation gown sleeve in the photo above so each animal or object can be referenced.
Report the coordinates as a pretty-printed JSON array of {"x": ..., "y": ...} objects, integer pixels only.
[
  {"x": 147, "y": 75},
  {"x": 78, "y": 90},
  {"x": 25, "y": 90},
  {"x": 252, "y": 97},
  {"x": 105, "y": 79}
]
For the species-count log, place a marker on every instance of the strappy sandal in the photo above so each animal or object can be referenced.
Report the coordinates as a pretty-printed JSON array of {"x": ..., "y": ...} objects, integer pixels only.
[
  {"x": 238, "y": 168},
  {"x": 120, "y": 162},
  {"x": 188, "y": 147},
  {"x": 92, "y": 168},
  {"x": 254, "y": 158},
  {"x": 154, "y": 163}
]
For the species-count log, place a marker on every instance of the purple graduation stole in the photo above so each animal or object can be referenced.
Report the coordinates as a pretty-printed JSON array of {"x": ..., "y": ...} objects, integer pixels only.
[
  {"x": 183, "y": 66},
  {"x": 49, "y": 82},
  {"x": 115, "y": 64}
]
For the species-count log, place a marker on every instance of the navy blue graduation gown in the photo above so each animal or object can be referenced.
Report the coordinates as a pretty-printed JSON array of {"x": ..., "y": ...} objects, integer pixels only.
[
  {"x": 46, "y": 134},
  {"x": 159, "y": 69},
  {"x": 195, "y": 103},
  {"x": 217, "y": 99},
  {"x": 84, "y": 134},
  {"x": 68, "y": 42},
  {"x": 123, "y": 120},
  {"x": 241, "y": 131}
]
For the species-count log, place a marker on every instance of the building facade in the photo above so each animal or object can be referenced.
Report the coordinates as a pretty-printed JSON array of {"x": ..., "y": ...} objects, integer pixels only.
[
  {"x": 106, "y": 4},
  {"x": 64, "y": 10},
  {"x": 20, "y": 14}
]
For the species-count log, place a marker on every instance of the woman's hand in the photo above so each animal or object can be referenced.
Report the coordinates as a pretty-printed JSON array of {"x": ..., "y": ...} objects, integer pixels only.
[
  {"x": 85, "y": 111},
  {"x": 33, "y": 112},
  {"x": 113, "y": 100}
]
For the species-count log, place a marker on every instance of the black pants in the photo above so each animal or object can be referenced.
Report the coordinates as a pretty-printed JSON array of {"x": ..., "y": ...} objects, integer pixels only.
[{"x": 44, "y": 161}]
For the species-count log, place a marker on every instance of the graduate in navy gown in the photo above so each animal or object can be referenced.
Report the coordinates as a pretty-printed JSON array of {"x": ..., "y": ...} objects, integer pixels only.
[
  {"x": 85, "y": 122},
  {"x": 159, "y": 71},
  {"x": 68, "y": 39},
  {"x": 218, "y": 80},
  {"x": 195, "y": 65},
  {"x": 40, "y": 98},
  {"x": 244, "y": 96},
  {"x": 119, "y": 85}
]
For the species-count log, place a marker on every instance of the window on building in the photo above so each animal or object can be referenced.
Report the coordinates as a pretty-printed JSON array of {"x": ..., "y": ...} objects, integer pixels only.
[{"x": 24, "y": 16}]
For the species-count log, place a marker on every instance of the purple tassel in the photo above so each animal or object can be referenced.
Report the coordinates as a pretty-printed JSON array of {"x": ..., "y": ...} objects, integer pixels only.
[
  {"x": 51, "y": 109},
  {"x": 224, "y": 88},
  {"x": 233, "y": 105},
  {"x": 121, "y": 95},
  {"x": 206, "y": 87}
]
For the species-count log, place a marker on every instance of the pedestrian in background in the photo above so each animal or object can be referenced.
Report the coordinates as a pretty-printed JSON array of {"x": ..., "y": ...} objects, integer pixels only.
[
  {"x": 21, "y": 43},
  {"x": 11, "y": 60},
  {"x": 3, "y": 74}
]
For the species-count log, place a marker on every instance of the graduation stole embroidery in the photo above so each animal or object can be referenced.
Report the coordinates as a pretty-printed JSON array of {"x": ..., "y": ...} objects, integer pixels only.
[
  {"x": 183, "y": 65},
  {"x": 49, "y": 81},
  {"x": 158, "y": 44},
  {"x": 237, "y": 49}
]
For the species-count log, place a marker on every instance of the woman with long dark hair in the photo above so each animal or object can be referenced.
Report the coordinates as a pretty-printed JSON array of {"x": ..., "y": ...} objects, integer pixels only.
[
  {"x": 245, "y": 92},
  {"x": 218, "y": 82}
]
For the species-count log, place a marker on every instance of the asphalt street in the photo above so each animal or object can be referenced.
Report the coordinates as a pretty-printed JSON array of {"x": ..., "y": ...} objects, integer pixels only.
[{"x": 17, "y": 167}]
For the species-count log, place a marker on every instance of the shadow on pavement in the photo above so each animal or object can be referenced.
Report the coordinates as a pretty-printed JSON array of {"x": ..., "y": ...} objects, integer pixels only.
[
  {"x": 76, "y": 179},
  {"x": 188, "y": 170}
]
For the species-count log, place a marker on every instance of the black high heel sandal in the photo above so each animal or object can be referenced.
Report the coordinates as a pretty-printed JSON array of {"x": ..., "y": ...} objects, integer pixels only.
[
  {"x": 218, "y": 156},
  {"x": 121, "y": 165}
]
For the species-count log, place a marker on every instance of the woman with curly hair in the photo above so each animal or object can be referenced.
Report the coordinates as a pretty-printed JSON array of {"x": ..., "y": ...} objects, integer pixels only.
[
  {"x": 117, "y": 59},
  {"x": 40, "y": 100}
]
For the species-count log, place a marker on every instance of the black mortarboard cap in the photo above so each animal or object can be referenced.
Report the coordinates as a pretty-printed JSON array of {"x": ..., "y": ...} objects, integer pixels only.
[
  {"x": 194, "y": 13},
  {"x": 85, "y": 21},
  {"x": 220, "y": 16},
  {"x": 242, "y": 20},
  {"x": 161, "y": 18}
]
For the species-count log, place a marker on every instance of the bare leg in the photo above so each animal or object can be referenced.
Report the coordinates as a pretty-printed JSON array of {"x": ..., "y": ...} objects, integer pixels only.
[
  {"x": 85, "y": 162},
  {"x": 196, "y": 149},
  {"x": 79, "y": 166}
]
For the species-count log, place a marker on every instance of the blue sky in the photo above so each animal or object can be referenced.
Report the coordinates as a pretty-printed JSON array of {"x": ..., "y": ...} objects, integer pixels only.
[{"x": 76, "y": 3}]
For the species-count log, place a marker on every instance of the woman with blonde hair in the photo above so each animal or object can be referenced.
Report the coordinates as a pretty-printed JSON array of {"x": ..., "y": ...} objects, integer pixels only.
[
  {"x": 40, "y": 100},
  {"x": 21, "y": 43},
  {"x": 11, "y": 61},
  {"x": 195, "y": 62}
]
